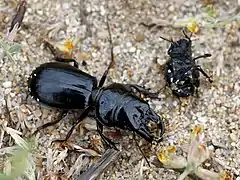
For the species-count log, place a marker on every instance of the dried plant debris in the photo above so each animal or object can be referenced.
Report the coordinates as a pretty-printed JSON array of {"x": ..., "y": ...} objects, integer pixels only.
[
  {"x": 8, "y": 47},
  {"x": 94, "y": 171},
  {"x": 18, "y": 18},
  {"x": 198, "y": 153},
  {"x": 20, "y": 162},
  {"x": 78, "y": 29},
  {"x": 209, "y": 19}
]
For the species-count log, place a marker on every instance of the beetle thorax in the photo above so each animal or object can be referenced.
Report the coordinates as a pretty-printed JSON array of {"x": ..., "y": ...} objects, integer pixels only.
[{"x": 95, "y": 96}]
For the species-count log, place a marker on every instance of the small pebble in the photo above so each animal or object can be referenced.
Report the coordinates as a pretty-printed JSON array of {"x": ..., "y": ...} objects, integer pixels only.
[
  {"x": 128, "y": 44},
  {"x": 102, "y": 11},
  {"x": 171, "y": 8},
  {"x": 7, "y": 91},
  {"x": 116, "y": 50},
  {"x": 218, "y": 152},
  {"x": 233, "y": 137},
  {"x": 211, "y": 148},
  {"x": 102, "y": 34},
  {"x": 202, "y": 119},
  {"x": 218, "y": 101},
  {"x": 7, "y": 84},
  {"x": 175, "y": 103},
  {"x": 132, "y": 49},
  {"x": 12, "y": 95},
  {"x": 207, "y": 164},
  {"x": 37, "y": 113}
]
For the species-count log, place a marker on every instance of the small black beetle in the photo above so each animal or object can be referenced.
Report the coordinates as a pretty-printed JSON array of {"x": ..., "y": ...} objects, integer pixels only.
[
  {"x": 59, "y": 85},
  {"x": 181, "y": 72}
]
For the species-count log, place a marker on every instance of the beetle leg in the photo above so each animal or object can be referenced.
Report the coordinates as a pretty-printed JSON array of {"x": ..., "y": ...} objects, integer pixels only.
[
  {"x": 59, "y": 59},
  {"x": 188, "y": 37},
  {"x": 54, "y": 51},
  {"x": 134, "y": 137},
  {"x": 57, "y": 54},
  {"x": 161, "y": 126},
  {"x": 171, "y": 40},
  {"x": 197, "y": 93},
  {"x": 142, "y": 90},
  {"x": 180, "y": 103},
  {"x": 80, "y": 119},
  {"x": 62, "y": 114},
  {"x": 203, "y": 72},
  {"x": 202, "y": 56},
  {"x": 106, "y": 140}
]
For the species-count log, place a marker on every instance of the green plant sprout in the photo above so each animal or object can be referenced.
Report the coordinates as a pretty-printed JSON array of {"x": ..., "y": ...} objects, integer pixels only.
[{"x": 20, "y": 162}]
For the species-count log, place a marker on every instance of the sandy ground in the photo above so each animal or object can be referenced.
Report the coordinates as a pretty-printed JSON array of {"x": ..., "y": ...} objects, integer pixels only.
[{"x": 137, "y": 52}]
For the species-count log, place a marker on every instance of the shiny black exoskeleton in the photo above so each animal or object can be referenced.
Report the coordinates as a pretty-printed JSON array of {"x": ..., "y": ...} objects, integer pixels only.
[
  {"x": 59, "y": 85},
  {"x": 117, "y": 106},
  {"x": 63, "y": 86},
  {"x": 181, "y": 71}
]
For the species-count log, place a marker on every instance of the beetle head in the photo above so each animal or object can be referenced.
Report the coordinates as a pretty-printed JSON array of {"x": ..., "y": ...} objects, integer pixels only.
[
  {"x": 180, "y": 48},
  {"x": 141, "y": 115}
]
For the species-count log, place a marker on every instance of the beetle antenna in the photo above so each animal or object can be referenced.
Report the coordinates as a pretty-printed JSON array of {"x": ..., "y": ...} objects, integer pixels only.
[
  {"x": 134, "y": 137},
  {"x": 104, "y": 76},
  {"x": 171, "y": 40},
  {"x": 185, "y": 34},
  {"x": 111, "y": 44}
]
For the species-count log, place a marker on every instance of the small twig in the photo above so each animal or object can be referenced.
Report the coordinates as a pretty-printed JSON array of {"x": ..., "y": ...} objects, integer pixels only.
[
  {"x": 159, "y": 23},
  {"x": 94, "y": 171},
  {"x": 18, "y": 18},
  {"x": 8, "y": 112}
]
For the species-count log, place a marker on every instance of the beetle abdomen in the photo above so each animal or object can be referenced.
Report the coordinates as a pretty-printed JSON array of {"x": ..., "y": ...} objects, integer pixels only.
[{"x": 62, "y": 86}]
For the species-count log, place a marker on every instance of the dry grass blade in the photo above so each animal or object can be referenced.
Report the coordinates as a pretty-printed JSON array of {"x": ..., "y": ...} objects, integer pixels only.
[
  {"x": 20, "y": 164},
  {"x": 15, "y": 135},
  {"x": 11, "y": 35},
  {"x": 49, "y": 164},
  {"x": 1, "y": 137},
  {"x": 140, "y": 177},
  {"x": 100, "y": 166},
  {"x": 8, "y": 150},
  {"x": 77, "y": 165},
  {"x": 86, "y": 151},
  {"x": 61, "y": 156},
  {"x": 30, "y": 170}
]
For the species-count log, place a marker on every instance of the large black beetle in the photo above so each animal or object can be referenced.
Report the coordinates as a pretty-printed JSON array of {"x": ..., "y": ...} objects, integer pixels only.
[
  {"x": 181, "y": 71},
  {"x": 59, "y": 85}
]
